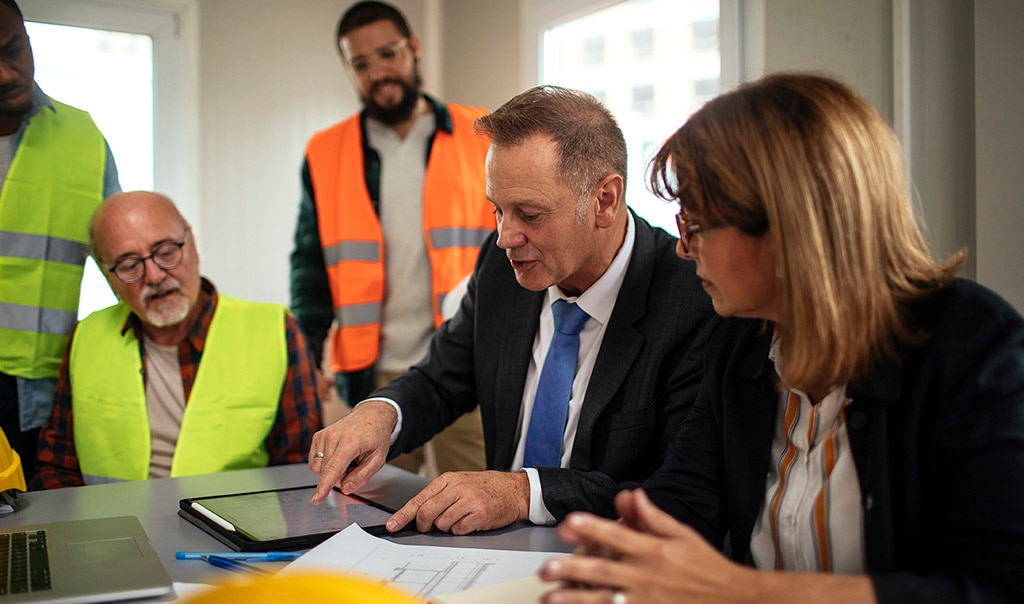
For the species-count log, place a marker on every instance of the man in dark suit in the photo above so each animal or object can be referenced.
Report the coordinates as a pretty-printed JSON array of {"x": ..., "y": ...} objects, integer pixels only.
[{"x": 556, "y": 175}]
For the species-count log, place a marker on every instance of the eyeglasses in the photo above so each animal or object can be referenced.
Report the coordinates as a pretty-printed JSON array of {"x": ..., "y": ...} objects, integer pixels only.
[
  {"x": 687, "y": 229},
  {"x": 385, "y": 56},
  {"x": 167, "y": 256}
]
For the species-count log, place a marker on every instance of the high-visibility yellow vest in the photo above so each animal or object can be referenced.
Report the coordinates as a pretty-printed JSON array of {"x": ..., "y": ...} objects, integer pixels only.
[
  {"x": 456, "y": 219},
  {"x": 54, "y": 185},
  {"x": 11, "y": 474},
  {"x": 230, "y": 411}
]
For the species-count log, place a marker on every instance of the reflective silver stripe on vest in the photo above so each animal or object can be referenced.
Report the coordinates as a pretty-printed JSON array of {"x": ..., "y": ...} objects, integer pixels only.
[
  {"x": 41, "y": 247},
  {"x": 93, "y": 479},
  {"x": 39, "y": 320},
  {"x": 351, "y": 315},
  {"x": 368, "y": 251},
  {"x": 458, "y": 237}
]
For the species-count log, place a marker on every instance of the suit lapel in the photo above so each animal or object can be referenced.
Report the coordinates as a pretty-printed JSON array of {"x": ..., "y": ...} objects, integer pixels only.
[
  {"x": 519, "y": 328},
  {"x": 621, "y": 344},
  {"x": 748, "y": 416}
]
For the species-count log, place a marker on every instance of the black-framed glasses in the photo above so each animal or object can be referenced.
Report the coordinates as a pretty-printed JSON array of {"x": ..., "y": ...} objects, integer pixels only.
[
  {"x": 385, "y": 56},
  {"x": 166, "y": 255},
  {"x": 687, "y": 229}
]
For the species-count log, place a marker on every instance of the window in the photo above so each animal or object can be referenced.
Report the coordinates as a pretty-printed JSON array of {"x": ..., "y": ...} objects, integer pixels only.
[
  {"x": 705, "y": 34},
  {"x": 110, "y": 75},
  {"x": 651, "y": 89},
  {"x": 593, "y": 50},
  {"x": 705, "y": 89},
  {"x": 111, "y": 61},
  {"x": 642, "y": 41},
  {"x": 643, "y": 100}
]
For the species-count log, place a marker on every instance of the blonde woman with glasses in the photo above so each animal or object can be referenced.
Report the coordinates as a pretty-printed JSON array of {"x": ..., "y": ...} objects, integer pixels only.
[{"x": 859, "y": 435}]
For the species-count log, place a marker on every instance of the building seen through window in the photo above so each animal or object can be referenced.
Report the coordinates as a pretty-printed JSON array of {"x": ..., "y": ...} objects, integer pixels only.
[
  {"x": 643, "y": 43},
  {"x": 652, "y": 63}
]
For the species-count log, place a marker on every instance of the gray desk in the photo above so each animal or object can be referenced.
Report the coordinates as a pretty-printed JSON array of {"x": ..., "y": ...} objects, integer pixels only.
[{"x": 155, "y": 502}]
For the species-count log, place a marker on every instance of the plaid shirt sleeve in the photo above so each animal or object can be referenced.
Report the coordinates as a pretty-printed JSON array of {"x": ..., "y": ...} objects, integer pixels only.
[
  {"x": 57, "y": 463},
  {"x": 298, "y": 415}
]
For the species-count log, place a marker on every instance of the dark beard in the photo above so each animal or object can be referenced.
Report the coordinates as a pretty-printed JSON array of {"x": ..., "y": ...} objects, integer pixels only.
[{"x": 391, "y": 116}]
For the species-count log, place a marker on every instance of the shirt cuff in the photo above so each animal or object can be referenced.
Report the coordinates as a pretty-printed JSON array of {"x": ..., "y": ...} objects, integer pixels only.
[
  {"x": 539, "y": 513},
  {"x": 398, "y": 410}
]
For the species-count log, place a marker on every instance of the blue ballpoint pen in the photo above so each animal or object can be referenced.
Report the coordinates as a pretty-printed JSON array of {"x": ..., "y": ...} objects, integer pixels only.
[
  {"x": 236, "y": 565},
  {"x": 246, "y": 556}
]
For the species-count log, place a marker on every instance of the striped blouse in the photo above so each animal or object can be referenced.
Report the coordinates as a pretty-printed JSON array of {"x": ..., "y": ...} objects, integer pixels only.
[{"x": 812, "y": 518}]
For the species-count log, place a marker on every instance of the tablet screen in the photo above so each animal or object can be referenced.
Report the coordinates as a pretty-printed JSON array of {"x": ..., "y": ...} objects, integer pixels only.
[{"x": 271, "y": 515}]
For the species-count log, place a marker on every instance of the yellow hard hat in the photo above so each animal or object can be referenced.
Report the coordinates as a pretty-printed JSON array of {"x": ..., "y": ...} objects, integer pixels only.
[
  {"x": 11, "y": 476},
  {"x": 303, "y": 588}
]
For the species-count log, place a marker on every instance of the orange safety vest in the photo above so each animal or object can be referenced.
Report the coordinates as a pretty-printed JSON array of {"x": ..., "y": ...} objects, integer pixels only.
[{"x": 456, "y": 219}]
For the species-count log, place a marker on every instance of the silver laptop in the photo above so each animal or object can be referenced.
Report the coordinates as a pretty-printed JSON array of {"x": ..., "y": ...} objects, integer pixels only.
[{"x": 96, "y": 560}]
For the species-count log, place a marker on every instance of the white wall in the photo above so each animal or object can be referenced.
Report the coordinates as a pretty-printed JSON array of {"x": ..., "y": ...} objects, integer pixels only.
[
  {"x": 999, "y": 88},
  {"x": 269, "y": 78},
  {"x": 481, "y": 52},
  {"x": 850, "y": 39}
]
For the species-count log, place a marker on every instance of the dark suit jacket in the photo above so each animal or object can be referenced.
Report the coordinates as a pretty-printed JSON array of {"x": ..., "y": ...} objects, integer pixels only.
[
  {"x": 937, "y": 439},
  {"x": 643, "y": 384}
]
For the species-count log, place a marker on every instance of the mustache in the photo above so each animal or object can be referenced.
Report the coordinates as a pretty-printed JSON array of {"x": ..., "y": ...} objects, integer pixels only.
[
  {"x": 388, "y": 82},
  {"x": 168, "y": 285}
]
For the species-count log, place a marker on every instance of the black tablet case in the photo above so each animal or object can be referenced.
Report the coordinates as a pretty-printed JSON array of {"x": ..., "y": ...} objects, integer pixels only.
[{"x": 240, "y": 542}]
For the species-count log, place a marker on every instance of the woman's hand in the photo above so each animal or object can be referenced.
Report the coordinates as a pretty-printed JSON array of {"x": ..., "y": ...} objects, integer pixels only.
[{"x": 647, "y": 557}]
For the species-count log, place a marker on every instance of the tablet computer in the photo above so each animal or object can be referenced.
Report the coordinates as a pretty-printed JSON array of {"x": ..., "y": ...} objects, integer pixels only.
[{"x": 281, "y": 519}]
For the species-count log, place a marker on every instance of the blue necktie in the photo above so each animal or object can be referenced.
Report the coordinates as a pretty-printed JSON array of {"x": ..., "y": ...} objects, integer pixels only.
[{"x": 551, "y": 405}]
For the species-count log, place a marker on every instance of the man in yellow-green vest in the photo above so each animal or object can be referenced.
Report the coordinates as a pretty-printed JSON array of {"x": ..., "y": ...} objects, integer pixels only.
[
  {"x": 55, "y": 169},
  {"x": 176, "y": 379},
  {"x": 392, "y": 216}
]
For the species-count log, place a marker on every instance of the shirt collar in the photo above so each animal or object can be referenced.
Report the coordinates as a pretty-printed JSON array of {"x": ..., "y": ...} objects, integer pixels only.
[
  {"x": 197, "y": 336},
  {"x": 39, "y": 100},
  {"x": 599, "y": 299},
  {"x": 442, "y": 117}
]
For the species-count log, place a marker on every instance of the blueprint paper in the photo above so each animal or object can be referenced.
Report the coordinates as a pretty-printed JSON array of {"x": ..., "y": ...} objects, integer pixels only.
[{"x": 423, "y": 570}]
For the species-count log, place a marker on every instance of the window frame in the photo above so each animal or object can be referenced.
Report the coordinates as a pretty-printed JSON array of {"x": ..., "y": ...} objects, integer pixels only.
[
  {"x": 173, "y": 27},
  {"x": 740, "y": 35}
]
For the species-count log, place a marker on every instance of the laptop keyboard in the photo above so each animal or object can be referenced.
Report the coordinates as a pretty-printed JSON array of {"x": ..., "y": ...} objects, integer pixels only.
[{"x": 24, "y": 562}]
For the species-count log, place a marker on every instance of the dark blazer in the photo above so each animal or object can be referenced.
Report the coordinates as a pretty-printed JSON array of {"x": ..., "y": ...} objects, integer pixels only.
[
  {"x": 937, "y": 439},
  {"x": 643, "y": 384}
]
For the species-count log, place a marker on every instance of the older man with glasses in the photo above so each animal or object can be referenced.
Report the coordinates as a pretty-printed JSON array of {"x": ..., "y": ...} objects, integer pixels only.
[{"x": 161, "y": 378}]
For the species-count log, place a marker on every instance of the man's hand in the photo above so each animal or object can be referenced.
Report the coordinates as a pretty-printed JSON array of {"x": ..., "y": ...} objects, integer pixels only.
[
  {"x": 351, "y": 450},
  {"x": 465, "y": 502}
]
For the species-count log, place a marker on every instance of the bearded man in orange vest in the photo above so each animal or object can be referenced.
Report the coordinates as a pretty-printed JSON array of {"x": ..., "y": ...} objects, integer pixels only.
[{"x": 392, "y": 216}]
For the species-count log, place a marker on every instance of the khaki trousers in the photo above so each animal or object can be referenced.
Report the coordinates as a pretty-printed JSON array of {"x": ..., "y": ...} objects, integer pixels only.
[{"x": 458, "y": 448}]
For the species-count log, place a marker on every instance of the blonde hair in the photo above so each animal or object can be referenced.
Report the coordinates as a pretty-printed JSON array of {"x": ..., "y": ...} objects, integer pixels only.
[{"x": 805, "y": 159}]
